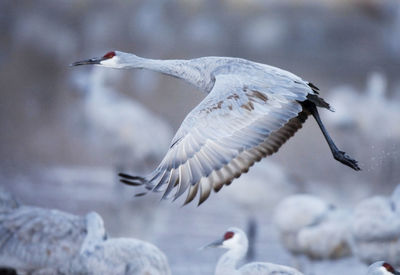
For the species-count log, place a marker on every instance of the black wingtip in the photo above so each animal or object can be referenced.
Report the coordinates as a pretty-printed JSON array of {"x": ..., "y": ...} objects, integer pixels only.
[
  {"x": 131, "y": 180},
  {"x": 126, "y": 176},
  {"x": 140, "y": 194},
  {"x": 131, "y": 183},
  {"x": 312, "y": 86}
]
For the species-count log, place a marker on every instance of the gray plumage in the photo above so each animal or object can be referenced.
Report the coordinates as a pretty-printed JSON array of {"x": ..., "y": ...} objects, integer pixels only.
[
  {"x": 45, "y": 241},
  {"x": 295, "y": 213},
  {"x": 121, "y": 256},
  {"x": 310, "y": 226},
  {"x": 33, "y": 238},
  {"x": 7, "y": 200},
  {"x": 250, "y": 110},
  {"x": 235, "y": 240},
  {"x": 375, "y": 229}
]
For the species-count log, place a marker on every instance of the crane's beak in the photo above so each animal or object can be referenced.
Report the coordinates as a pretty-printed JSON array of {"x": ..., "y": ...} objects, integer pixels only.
[
  {"x": 216, "y": 243},
  {"x": 91, "y": 61}
]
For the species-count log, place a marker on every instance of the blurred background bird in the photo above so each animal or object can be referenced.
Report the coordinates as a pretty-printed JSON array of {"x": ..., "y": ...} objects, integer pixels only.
[
  {"x": 48, "y": 241},
  {"x": 310, "y": 227},
  {"x": 375, "y": 229}
]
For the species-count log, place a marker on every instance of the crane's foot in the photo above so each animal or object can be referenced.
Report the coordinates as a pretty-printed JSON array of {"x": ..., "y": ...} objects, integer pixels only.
[{"x": 346, "y": 160}]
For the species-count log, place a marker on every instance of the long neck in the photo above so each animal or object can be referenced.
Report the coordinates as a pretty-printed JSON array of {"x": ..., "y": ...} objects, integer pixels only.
[
  {"x": 227, "y": 263},
  {"x": 192, "y": 71}
]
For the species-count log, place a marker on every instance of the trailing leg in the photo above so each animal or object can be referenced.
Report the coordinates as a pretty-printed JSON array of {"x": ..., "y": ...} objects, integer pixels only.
[{"x": 337, "y": 154}]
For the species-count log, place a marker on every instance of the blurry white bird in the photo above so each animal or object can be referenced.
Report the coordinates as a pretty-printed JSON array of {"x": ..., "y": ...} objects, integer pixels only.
[
  {"x": 121, "y": 256},
  {"x": 381, "y": 268},
  {"x": 308, "y": 226},
  {"x": 33, "y": 238},
  {"x": 120, "y": 125},
  {"x": 235, "y": 241},
  {"x": 44, "y": 241},
  {"x": 328, "y": 237},
  {"x": 375, "y": 229},
  {"x": 368, "y": 120},
  {"x": 296, "y": 212},
  {"x": 251, "y": 109}
]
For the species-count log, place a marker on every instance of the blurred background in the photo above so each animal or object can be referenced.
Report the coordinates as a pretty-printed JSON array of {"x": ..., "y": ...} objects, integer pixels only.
[{"x": 65, "y": 132}]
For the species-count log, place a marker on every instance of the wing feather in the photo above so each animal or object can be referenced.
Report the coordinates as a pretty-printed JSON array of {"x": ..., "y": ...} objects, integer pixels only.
[{"x": 231, "y": 129}]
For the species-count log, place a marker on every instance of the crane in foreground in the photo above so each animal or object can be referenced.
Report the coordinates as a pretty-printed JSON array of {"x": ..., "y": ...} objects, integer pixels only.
[
  {"x": 250, "y": 110},
  {"x": 236, "y": 242},
  {"x": 34, "y": 238},
  {"x": 48, "y": 241}
]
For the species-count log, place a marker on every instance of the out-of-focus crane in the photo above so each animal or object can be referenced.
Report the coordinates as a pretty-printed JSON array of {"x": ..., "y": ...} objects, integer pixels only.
[
  {"x": 34, "y": 238},
  {"x": 48, "y": 241},
  {"x": 375, "y": 229},
  {"x": 309, "y": 226}
]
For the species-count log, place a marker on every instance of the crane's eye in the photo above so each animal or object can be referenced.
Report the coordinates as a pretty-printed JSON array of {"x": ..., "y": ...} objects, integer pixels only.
[
  {"x": 109, "y": 55},
  {"x": 228, "y": 235},
  {"x": 388, "y": 267}
]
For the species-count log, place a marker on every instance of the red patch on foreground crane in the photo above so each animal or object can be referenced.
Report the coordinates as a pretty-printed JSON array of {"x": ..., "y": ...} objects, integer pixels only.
[
  {"x": 109, "y": 55},
  {"x": 228, "y": 235},
  {"x": 388, "y": 267}
]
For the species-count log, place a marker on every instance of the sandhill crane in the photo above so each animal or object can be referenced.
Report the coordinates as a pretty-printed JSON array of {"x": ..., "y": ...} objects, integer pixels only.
[
  {"x": 327, "y": 238},
  {"x": 382, "y": 268},
  {"x": 121, "y": 256},
  {"x": 34, "y": 238},
  {"x": 113, "y": 119},
  {"x": 311, "y": 227},
  {"x": 375, "y": 229},
  {"x": 366, "y": 120},
  {"x": 250, "y": 110},
  {"x": 296, "y": 212},
  {"x": 235, "y": 241},
  {"x": 46, "y": 241}
]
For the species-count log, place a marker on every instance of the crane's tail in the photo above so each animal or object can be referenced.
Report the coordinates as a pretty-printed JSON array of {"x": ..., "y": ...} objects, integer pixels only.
[
  {"x": 132, "y": 180},
  {"x": 316, "y": 99}
]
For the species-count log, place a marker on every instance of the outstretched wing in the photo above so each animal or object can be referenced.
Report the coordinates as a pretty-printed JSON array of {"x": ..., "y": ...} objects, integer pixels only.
[{"x": 237, "y": 124}]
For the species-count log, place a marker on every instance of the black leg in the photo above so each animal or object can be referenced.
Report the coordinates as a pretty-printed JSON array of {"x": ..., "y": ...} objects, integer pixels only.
[
  {"x": 251, "y": 235},
  {"x": 337, "y": 154}
]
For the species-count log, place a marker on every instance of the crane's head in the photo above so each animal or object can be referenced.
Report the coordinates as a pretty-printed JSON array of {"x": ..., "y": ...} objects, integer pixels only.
[
  {"x": 95, "y": 232},
  {"x": 381, "y": 268},
  {"x": 110, "y": 59},
  {"x": 234, "y": 238}
]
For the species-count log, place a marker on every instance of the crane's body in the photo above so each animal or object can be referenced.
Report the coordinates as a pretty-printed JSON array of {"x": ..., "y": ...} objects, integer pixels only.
[
  {"x": 48, "y": 241},
  {"x": 250, "y": 110},
  {"x": 235, "y": 240},
  {"x": 121, "y": 256},
  {"x": 308, "y": 225},
  {"x": 34, "y": 238},
  {"x": 375, "y": 229}
]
